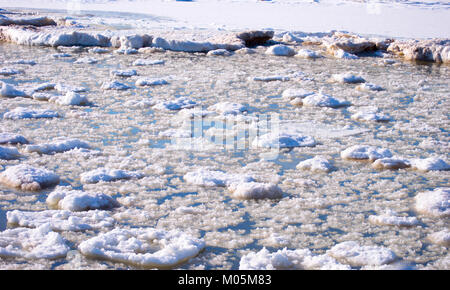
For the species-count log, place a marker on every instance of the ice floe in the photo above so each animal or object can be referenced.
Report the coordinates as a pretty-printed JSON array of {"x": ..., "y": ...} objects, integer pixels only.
[
  {"x": 429, "y": 164},
  {"x": 293, "y": 93},
  {"x": 344, "y": 55},
  {"x": 65, "y": 88},
  {"x": 271, "y": 78},
  {"x": 150, "y": 248},
  {"x": 11, "y": 138},
  {"x": 301, "y": 259},
  {"x": 26, "y": 177},
  {"x": 317, "y": 163},
  {"x": 144, "y": 62},
  {"x": 6, "y": 71},
  {"x": 115, "y": 85},
  {"x": 356, "y": 255},
  {"x": 323, "y": 100},
  {"x": 391, "y": 218},
  {"x": 206, "y": 177},
  {"x": 39, "y": 243},
  {"x": 8, "y": 153},
  {"x": 440, "y": 238},
  {"x": 434, "y": 203},
  {"x": 255, "y": 190},
  {"x": 283, "y": 140},
  {"x": 391, "y": 163},
  {"x": 124, "y": 73},
  {"x": 9, "y": 91},
  {"x": 364, "y": 152},
  {"x": 368, "y": 87},
  {"x": 280, "y": 50},
  {"x": 228, "y": 108},
  {"x": 177, "y": 104},
  {"x": 86, "y": 60},
  {"x": 70, "y": 99},
  {"x": 142, "y": 82},
  {"x": 57, "y": 146},
  {"x": 371, "y": 114},
  {"x": 62, "y": 220},
  {"x": 347, "y": 78},
  {"x": 308, "y": 53},
  {"x": 108, "y": 175},
  {"x": 219, "y": 52},
  {"x": 77, "y": 200},
  {"x": 433, "y": 50}
]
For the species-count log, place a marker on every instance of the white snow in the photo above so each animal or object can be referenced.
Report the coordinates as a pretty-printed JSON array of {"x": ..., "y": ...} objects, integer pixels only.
[
  {"x": 228, "y": 108},
  {"x": 70, "y": 99},
  {"x": 177, "y": 104},
  {"x": 364, "y": 152},
  {"x": 57, "y": 146},
  {"x": 368, "y": 87},
  {"x": 144, "y": 62},
  {"x": 11, "y": 138},
  {"x": 308, "y": 53},
  {"x": 124, "y": 73},
  {"x": 114, "y": 85},
  {"x": 206, "y": 177},
  {"x": 26, "y": 177},
  {"x": 347, "y": 78},
  {"x": 370, "y": 114},
  {"x": 9, "y": 91},
  {"x": 434, "y": 203},
  {"x": 150, "y": 82},
  {"x": 77, "y": 200},
  {"x": 430, "y": 164},
  {"x": 151, "y": 248},
  {"x": 356, "y": 255},
  {"x": 62, "y": 220},
  {"x": 283, "y": 140},
  {"x": 323, "y": 100},
  {"x": 8, "y": 153},
  {"x": 391, "y": 163},
  {"x": 440, "y": 238},
  {"x": 280, "y": 50},
  {"x": 317, "y": 163},
  {"x": 107, "y": 175},
  {"x": 255, "y": 190},
  {"x": 39, "y": 243},
  {"x": 391, "y": 218}
]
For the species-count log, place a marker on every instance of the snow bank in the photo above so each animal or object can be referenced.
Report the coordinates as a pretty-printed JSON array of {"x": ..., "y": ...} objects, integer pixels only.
[
  {"x": 8, "y": 153},
  {"x": 434, "y": 203},
  {"x": 108, "y": 175},
  {"x": 57, "y": 146},
  {"x": 76, "y": 200},
  {"x": 25, "y": 113},
  {"x": 11, "y": 138},
  {"x": 150, "y": 248},
  {"x": 62, "y": 220},
  {"x": 26, "y": 177},
  {"x": 429, "y": 164},
  {"x": 255, "y": 190},
  {"x": 280, "y": 50},
  {"x": 301, "y": 259},
  {"x": 352, "y": 253},
  {"x": 39, "y": 243},
  {"x": 283, "y": 140},
  {"x": 318, "y": 163},
  {"x": 322, "y": 100},
  {"x": 206, "y": 177},
  {"x": 364, "y": 152}
]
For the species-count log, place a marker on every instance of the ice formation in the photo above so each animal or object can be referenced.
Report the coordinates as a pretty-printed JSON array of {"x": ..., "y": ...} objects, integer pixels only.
[
  {"x": 356, "y": 255},
  {"x": 10, "y": 91},
  {"x": 308, "y": 53},
  {"x": 280, "y": 50},
  {"x": 6, "y": 71},
  {"x": 107, "y": 175},
  {"x": 293, "y": 93},
  {"x": 177, "y": 104},
  {"x": 440, "y": 238},
  {"x": 114, "y": 85},
  {"x": 25, "y": 113},
  {"x": 271, "y": 78},
  {"x": 283, "y": 140},
  {"x": 150, "y": 82},
  {"x": 364, "y": 152},
  {"x": 57, "y": 146},
  {"x": 8, "y": 153},
  {"x": 70, "y": 99},
  {"x": 255, "y": 190},
  {"x": 347, "y": 78},
  {"x": 86, "y": 60},
  {"x": 370, "y": 114},
  {"x": 11, "y": 138},
  {"x": 391, "y": 163},
  {"x": 219, "y": 52},
  {"x": 318, "y": 163},
  {"x": 434, "y": 203},
  {"x": 150, "y": 248},
  {"x": 228, "y": 108},
  {"x": 144, "y": 62},
  {"x": 368, "y": 87},
  {"x": 124, "y": 73},
  {"x": 77, "y": 200},
  {"x": 391, "y": 218},
  {"x": 26, "y": 177},
  {"x": 429, "y": 164},
  {"x": 323, "y": 100},
  {"x": 206, "y": 177}
]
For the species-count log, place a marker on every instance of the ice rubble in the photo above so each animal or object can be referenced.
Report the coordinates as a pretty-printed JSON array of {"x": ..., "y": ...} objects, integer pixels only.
[
  {"x": 39, "y": 243},
  {"x": 11, "y": 138},
  {"x": 150, "y": 248},
  {"x": 435, "y": 203},
  {"x": 283, "y": 140},
  {"x": 428, "y": 164},
  {"x": 347, "y": 78},
  {"x": 141, "y": 82},
  {"x": 356, "y": 255},
  {"x": 9, "y": 91},
  {"x": 36, "y": 21},
  {"x": 440, "y": 238},
  {"x": 280, "y": 50},
  {"x": 114, "y": 85},
  {"x": 26, "y": 177},
  {"x": 255, "y": 190},
  {"x": 219, "y": 52},
  {"x": 57, "y": 146},
  {"x": 126, "y": 73},
  {"x": 8, "y": 153},
  {"x": 206, "y": 177},
  {"x": 323, "y": 100},
  {"x": 62, "y": 220},
  {"x": 391, "y": 163},
  {"x": 77, "y": 200},
  {"x": 364, "y": 152},
  {"x": 228, "y": 108},
  {"x": 344, "y": 55},
  {"x": 106, "y": 175},
  {"x": 144, "y": 62},
  {"x": 177, "y": 104},
  {"x": 289, "y": 259},
  {"x": 317, "y": 163},
  {"x": 434, "y": 50},
  {"x": 391, "y": 218}
]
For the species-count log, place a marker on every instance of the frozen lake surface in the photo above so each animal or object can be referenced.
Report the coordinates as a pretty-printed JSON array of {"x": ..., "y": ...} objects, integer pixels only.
[{"x": 170, "y": 159}]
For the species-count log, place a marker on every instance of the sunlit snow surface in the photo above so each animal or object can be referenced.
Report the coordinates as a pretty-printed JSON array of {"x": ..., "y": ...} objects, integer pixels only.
[{"x": 313, "y": 211}]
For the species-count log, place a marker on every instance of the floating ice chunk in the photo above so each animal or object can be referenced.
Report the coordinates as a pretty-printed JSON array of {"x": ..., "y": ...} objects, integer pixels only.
[
  {"x": 364, "y": 152},
  {"x": 391, "y": 219},
  {"x": 124, "y": 73},
  {"x": 344, "y": 55},
  {"x": 44, "y": 87},
  {"x": 10, "y": 91},
  {"x": 39, "y": 243},
  {"x": 99, "y": 50},
  {"x": 434, "y": 203},
  {"x": 63, "y": 88},
  {"x": 370, "y": 114},
  {"x": 148, "y": 50},
  {"x": 126, "y": 50},
  {"x": 289, "y": 37},
  {"x": 205, "y": 177},
  {"x": 280, "y": 50},
  {"x": 347, "y": 78},
  {"x": 255, "y": 190},
  {"x": 11, "y": 138},
  {"x": 307, "y": 53},
  {"x": 6, "y": 71},
  {"x": 440, "y": 238},
  {"x": 318, "y": 163},
  {"x": 429, "y": 164},
  {"x": 228, "y": 108},
  {"x": 289, "y": 259},
  {"x": 26, "y": 177},
  {"x": 7, "y": 153},
  {"x": 195, "y": 113},
  {"x": 293, "y": 93},
  {"x": 115, "y": 85},
  {"x": 107, "y": 175},
  {"x": 22, "y": 61},
  {"x": 62, "y": 220},
  {"x": 271, "y": 78},
  {"x": 86, "y": 60},
  {"x": 25, "y": 113},
  {"x": 283, "y": 140},
  {"x": 139, "y": 104},
  {"x": 245, "y": 50},
  {"x": 391, "y": 163},
  {"x": 149, "y": 248},
  {"x": 151, "y": 82},
  {"x": 143, "y": 62},
  {"x": 219, "y": 52},
  {"x": 322, "y": 100},
  {"x": 57, "y": 146},
  {"x": 61, "y": 55},
  {"x": 177, "y": 104},
  {"x": 70, "y": 99},
  {"x": 352, "y": 253},
  {"x": 367, "y": 87},
  {"x": 44, "y": 96},
  {"x": 77, "y": 200}
]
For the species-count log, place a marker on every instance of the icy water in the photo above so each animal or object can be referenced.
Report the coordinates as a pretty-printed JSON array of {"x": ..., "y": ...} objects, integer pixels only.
[{"x": 316, "y": 211}]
